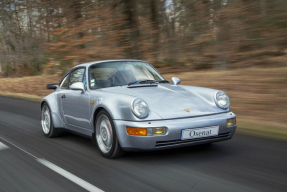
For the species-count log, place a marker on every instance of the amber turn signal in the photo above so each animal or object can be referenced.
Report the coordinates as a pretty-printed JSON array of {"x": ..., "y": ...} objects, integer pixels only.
[{"x": 137, "y": 131}]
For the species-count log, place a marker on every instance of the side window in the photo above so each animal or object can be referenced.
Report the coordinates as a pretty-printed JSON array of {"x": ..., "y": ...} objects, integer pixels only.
[
  {"x": 77, "y": 76},
  {"x": 64, "y": 83}
]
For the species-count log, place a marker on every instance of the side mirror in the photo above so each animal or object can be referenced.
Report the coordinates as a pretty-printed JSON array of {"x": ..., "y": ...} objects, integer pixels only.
[
  {"x": 175, "y": 80},
  {"x": 78, "y": 86},
  {"x": 52, "y": 86}
]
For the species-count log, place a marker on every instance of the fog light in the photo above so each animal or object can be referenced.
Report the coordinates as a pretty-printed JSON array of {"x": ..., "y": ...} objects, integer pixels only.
[
  {"x": 137, "y": 131},
  {"x": 230, "y": 122},
  {"x": 158, "y": 130}
]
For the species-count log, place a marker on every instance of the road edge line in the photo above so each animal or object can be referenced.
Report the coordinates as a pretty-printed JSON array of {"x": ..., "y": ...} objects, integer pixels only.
[{"x": 69, "y": 176}]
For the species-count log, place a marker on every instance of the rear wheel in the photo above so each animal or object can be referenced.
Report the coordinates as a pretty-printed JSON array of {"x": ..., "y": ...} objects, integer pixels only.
[
  {"x": 47, "y": 123},
  {"x": 106, "y": 136}
]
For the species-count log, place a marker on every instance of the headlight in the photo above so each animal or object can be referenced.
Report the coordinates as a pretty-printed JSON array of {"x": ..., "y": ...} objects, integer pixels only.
[
  {"x": 222, "y": 100},
  {"x": 140, "y": 108}
]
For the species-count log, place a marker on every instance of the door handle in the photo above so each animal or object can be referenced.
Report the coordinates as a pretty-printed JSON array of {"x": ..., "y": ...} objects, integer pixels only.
[{"x": 63, "y": 96}]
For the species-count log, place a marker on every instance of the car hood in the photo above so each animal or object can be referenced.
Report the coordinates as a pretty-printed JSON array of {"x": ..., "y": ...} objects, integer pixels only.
[{"x": 170, "y": 101}]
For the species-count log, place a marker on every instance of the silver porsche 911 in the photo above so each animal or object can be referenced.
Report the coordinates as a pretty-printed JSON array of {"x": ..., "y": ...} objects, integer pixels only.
[{"x": 126, "y": 105}]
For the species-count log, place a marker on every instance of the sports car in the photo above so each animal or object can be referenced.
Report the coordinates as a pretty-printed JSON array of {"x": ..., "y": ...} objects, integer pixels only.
[{"x": 126, "y": 105}]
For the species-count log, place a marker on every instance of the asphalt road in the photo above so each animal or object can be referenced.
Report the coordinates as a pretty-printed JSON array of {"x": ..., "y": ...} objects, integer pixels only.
[{"x": 244, "y": 163}]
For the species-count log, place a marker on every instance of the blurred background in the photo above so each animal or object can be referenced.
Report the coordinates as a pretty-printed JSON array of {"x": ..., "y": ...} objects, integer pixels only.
[{"x": 238, "y": 46}]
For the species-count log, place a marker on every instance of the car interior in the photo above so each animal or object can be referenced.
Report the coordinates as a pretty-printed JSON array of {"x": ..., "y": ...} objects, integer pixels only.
[{"x": 118, "y": 78}]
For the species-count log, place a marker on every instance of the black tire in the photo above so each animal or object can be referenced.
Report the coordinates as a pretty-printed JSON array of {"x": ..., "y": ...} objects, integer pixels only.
[
  {"x": 53, "y": 132},
  {"x": 115, "y": 150}
]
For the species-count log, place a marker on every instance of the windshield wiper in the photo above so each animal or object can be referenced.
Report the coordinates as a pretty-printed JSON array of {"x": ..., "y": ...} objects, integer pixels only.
[
  {"x": 143, "y": 81},
  {"x": 163, "y": 81}
]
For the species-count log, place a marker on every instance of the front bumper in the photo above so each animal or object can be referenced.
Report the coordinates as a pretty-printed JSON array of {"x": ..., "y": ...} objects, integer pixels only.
[{"x": 173, "y": 138}]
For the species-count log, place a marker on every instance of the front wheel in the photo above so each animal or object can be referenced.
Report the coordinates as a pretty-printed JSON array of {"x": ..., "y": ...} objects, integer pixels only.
[
  {"x": 47, "y": 123},
  {"x": 106, "y": 136}
]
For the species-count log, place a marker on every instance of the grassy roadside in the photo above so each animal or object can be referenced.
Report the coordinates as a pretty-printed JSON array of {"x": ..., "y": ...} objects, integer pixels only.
[
  {"x": 21, "y": 96},
  {"x": 268, "y": 133},
  {"x": 261, "y": 128},
  {"x": 258, "y": 95}
]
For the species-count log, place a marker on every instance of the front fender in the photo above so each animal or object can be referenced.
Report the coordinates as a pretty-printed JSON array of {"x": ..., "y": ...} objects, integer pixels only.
[
  {"x": 51, "y": 100},
  {"x": 118, "y": 106}
]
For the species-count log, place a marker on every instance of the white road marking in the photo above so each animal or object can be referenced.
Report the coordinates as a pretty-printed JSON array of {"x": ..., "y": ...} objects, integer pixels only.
[
  {"x": 57, "y": 169},
  {"x": 69, "y": 176},
  {"x": 3, "y": 146},
  {"x": 19, "y": 148}
]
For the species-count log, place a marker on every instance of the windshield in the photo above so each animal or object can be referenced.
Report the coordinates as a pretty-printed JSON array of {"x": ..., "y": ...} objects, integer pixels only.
[{"x": 121, "y": 73}]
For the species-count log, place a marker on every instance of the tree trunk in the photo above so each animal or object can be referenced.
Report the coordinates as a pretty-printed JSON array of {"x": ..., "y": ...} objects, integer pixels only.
[
  {"x": 130, "y": 10},
  {"x": 155, "y": 24},
  {"x": 263, "y": 7}
]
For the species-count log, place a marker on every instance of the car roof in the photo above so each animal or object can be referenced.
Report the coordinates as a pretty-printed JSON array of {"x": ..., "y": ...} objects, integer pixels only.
[{"x": 103, "y": 61}]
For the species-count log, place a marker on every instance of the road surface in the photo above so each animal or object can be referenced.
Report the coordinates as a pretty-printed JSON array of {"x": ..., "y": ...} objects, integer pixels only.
[{"x": 31, "y": 162}]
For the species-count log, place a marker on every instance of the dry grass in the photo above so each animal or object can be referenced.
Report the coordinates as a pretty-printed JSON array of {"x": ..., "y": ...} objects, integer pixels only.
[
  {"x": 258, "y": 95},
  {"x": 21, "y": 96},
  {"x": 33, "y": 85}
]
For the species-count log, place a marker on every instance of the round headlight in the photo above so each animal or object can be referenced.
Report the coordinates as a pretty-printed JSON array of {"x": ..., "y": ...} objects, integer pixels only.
[
  {"x": 140, "y": 108},
  {"x": 222, "y": 100}
]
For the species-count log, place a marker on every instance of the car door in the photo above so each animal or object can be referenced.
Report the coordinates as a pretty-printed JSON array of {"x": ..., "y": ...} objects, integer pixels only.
[
  {"x": 61, "y": 91},
  {"x": 75, "y": 103}
]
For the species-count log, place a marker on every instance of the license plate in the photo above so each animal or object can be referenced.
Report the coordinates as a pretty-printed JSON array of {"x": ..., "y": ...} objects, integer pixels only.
[{"x": 199, "y": 132}]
